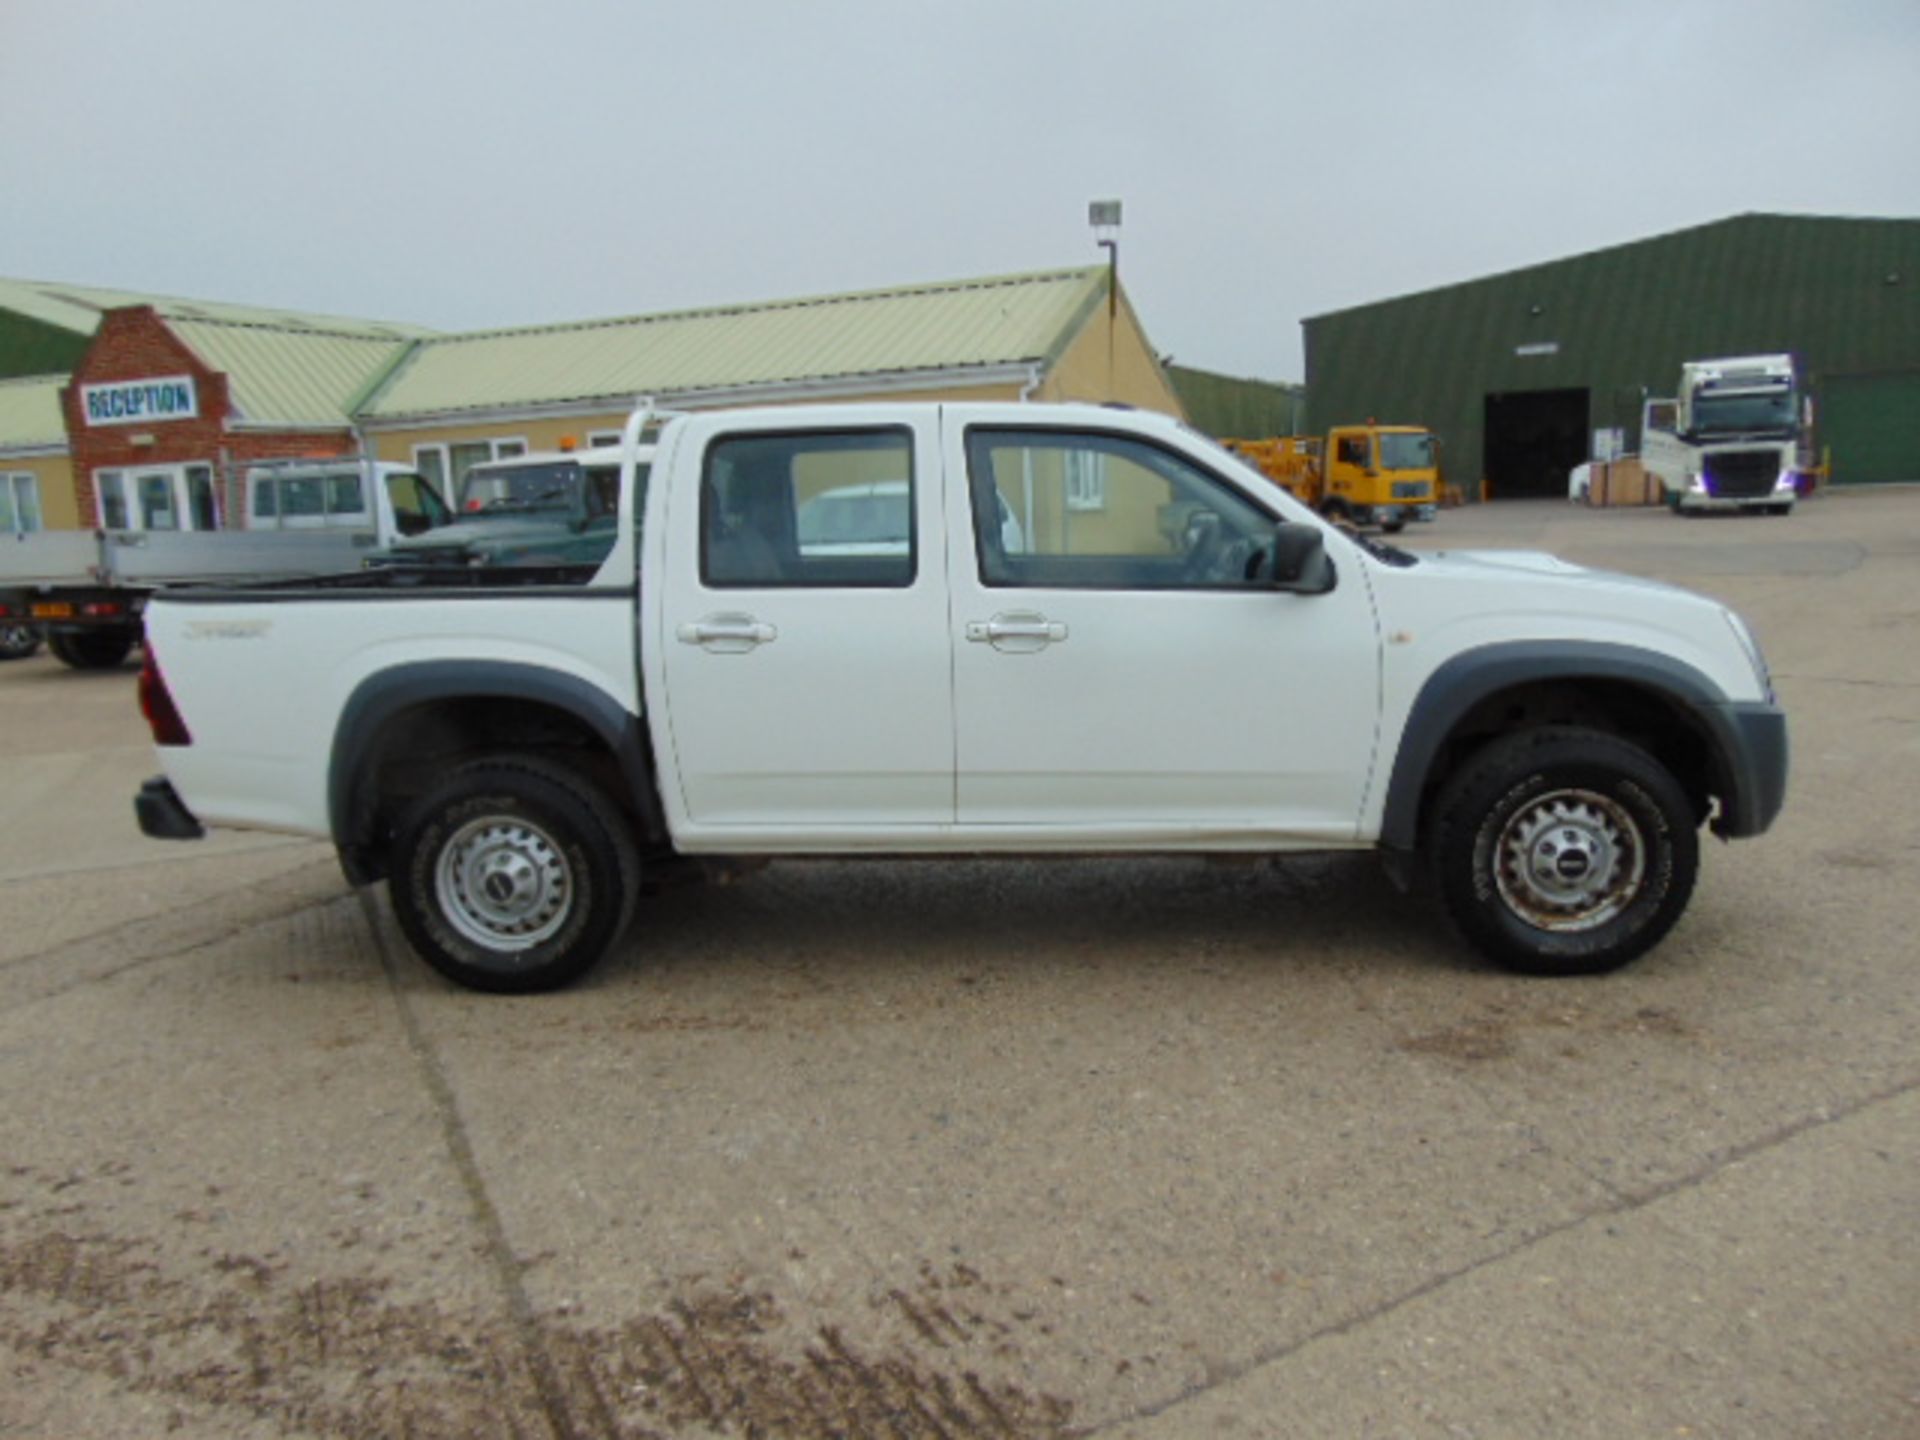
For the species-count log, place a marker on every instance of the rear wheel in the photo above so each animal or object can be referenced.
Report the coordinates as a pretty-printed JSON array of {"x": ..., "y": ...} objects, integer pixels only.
[
  {"x": 91, "y": 650},
  {"x": 1564, "y": 851},
  {"x": 513, "y": 875},
  {"x": 18, "y": 641}
]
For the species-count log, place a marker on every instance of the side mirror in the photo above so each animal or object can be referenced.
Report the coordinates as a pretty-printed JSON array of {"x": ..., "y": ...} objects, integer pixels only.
[{"x": 1300, "y": 562}]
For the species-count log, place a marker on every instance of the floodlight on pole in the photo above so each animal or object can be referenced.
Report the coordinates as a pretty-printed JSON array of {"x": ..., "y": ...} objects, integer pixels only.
[{"x": 1104, "y": 217}]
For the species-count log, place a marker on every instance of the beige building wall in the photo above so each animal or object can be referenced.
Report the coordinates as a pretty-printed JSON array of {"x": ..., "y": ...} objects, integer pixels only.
[
  {"x": 59, "y": 507},
  {"x": 1110, "y": 359}
]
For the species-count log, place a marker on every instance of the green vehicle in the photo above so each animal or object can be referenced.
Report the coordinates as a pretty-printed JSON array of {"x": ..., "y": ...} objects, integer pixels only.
[{"x": 546, "y": 510}]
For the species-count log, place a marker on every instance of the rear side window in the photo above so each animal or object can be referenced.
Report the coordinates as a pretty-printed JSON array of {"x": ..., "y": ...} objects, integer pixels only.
[{"x": 828, "y": 509}]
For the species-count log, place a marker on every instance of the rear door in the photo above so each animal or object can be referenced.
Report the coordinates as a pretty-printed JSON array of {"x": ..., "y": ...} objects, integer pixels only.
[
  {"x": 1117, "y": 669},
  {"x": 808, "y": 681}
]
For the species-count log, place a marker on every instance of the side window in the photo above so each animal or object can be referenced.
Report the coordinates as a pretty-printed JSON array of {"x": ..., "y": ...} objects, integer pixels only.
[
  {"x": 830, "y": 509},
  {"x": 1164, "y": 523},
  {"x": 1353, "y": 450},
  {"x": 416, "y": 506},
  {"x": 346, "y": 505},
  {"x": 1661, "y": 415},
  {"x": 303, "y": 500}
]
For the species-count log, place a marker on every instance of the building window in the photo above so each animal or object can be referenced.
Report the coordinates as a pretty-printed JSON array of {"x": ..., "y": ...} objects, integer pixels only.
[
  {"x": 602, "y": 437},
  {"x": 111, "y": 492},
  {"x": 446, "y": 466},
  {"x": 1086, "y": 474},
  {"x": 20, "y": 503},
  {"x": 163, "y": 497}
]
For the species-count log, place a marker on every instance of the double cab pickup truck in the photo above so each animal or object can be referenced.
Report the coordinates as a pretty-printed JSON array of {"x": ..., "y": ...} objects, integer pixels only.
[{"x": 1088, "y": 630}]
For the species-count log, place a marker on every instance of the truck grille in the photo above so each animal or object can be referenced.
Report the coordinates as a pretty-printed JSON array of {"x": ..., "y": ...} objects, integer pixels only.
[
  {"x": 1743, "y": 474},
  {"x": 1409, "y": 489}
]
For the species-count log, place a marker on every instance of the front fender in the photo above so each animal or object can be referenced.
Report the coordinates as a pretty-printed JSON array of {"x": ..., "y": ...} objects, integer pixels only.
[{"x": 1747, "y": 741}]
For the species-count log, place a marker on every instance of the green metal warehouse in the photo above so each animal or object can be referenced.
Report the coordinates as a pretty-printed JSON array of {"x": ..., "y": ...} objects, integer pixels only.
[{"x": 1519, "y": 374}]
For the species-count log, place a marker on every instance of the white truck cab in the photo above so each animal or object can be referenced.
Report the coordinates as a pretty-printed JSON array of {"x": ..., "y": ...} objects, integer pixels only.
[{"x": 1732, "y": 439}]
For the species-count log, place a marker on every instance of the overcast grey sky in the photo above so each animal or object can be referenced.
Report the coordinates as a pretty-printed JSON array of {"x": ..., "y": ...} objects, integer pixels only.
[{"x": 465, "y": 163}]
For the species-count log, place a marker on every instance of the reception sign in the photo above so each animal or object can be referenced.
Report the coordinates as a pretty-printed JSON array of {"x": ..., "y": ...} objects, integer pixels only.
[{"x": 141, "y": 402}]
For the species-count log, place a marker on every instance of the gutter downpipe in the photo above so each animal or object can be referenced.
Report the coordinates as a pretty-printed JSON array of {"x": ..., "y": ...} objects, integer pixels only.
[{"x": 1026, "y": 457}]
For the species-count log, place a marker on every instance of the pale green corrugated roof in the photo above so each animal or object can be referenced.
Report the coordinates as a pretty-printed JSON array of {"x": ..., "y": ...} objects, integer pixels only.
[
  {"x": 30, "y": 413},
  {"x": 78, "y": 308},
  {"x": 959, "y": 325},
  {"x": 278, "y": 376},
  {"x": 284, "y": 367}
]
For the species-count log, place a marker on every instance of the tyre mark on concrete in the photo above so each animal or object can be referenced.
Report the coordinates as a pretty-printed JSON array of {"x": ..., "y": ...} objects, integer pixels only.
[
  {"x": 506, "y": 1266},
  {"x": 146, "y": 922},
  {"x": 172, "y": 935},
  {"x": 346, "y": 1359}
]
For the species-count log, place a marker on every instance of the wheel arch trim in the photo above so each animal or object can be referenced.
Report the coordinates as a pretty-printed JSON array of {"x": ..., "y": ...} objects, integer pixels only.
[
  {"x": 386, "y": 695},
  {"x": 1466, "y": 679}
]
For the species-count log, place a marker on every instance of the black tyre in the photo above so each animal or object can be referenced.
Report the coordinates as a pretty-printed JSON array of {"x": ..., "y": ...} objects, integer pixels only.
[
  {"x": 1564, "y": 851},
  {"x": 1392, "y": 527},
  {"x": 91, "y": 650},
  {"x": 513, "y": 875},
  {"x": 17, "y": 642}
]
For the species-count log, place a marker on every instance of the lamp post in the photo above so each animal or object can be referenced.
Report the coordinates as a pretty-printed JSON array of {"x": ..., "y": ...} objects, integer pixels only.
[{"x": 1104, "y": 217}]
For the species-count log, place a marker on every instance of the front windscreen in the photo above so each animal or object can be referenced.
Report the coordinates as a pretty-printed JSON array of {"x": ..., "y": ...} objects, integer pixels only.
[
  {"x": 1406, "y": 452},
  {"x": 492, "y": 489},
  {"x": 1751, "y": 412}
]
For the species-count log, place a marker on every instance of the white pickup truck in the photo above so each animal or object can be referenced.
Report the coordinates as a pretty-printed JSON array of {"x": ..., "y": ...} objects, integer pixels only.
[{"x": 1175, "y": 656}]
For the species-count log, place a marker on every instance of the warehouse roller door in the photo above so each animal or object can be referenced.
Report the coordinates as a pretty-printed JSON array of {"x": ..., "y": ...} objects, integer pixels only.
[{"x": 1871, "y": 424}]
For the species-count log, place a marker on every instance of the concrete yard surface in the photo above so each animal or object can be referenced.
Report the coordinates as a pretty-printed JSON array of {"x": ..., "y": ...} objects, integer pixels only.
[{"x": 1142, "y": 1148}]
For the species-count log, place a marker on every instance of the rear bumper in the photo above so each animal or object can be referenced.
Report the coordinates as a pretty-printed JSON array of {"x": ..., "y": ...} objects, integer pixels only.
[
  {"x": 163, "y": 815},
  {"x": 1753, "y": 748}
]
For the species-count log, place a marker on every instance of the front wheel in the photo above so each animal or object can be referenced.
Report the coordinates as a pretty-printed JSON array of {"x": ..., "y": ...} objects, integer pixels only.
[
  {"x": 513, "y": 875},
  {"x": 1392, "y": 527},
  {"x": 1564, "y": 851}
]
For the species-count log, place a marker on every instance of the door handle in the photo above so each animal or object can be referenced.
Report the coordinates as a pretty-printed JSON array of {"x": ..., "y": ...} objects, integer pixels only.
[
  {"x": 1017, "y": 632},
  {"x": 729, "y": 634}
]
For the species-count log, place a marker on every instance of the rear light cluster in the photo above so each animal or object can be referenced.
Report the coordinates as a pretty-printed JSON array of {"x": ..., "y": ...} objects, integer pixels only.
[{"x": 156, "y": 703}]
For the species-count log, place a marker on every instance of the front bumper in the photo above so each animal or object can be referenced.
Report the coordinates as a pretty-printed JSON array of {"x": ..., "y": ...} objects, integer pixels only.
[
  {"x": 1394, "y": 514},
  {"x": 1753, "y": 752},
  {"x": 1694, "y": 500},
  {"x": 163, "y": 815}
]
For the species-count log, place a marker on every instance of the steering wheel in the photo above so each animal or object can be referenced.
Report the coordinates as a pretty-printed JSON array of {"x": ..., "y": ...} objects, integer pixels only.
[{"x": 1218, "y": 556}]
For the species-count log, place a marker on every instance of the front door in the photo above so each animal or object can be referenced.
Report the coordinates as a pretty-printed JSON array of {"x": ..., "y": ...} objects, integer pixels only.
[
  {"x": 1116, "y": 667},
  {"x": 805, "y": 659}
]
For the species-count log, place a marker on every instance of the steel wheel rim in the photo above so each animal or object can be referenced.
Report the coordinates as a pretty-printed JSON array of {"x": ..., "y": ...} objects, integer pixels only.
[
  {"x": 1569, "y": 860},
  {"x": 504, "y": 883}
]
